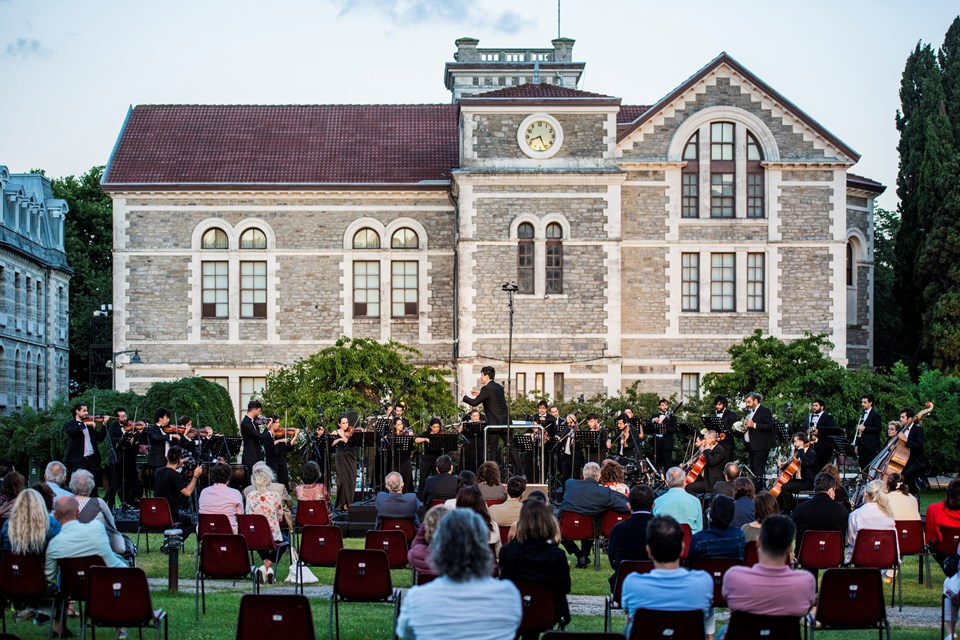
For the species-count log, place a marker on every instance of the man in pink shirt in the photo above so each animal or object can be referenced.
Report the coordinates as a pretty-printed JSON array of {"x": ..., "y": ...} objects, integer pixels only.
[
  {"x": 219, "y": 497},
  {"x": 771, "y": 587}
]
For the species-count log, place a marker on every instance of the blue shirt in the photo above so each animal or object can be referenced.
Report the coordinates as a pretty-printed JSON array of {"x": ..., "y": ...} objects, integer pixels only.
[
  {"x": 684, "y": 508},
  {"x": 481, "y": 609},
  {"x": 668, "y": 590}
]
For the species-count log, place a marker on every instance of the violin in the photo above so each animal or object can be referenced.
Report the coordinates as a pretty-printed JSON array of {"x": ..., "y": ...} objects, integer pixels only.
[
  {"x": 93, "y": 421},
  {"x": 130, "y": 426},
  {"x": 172, "y": 428},
  {"x": 284, "y": 432}
]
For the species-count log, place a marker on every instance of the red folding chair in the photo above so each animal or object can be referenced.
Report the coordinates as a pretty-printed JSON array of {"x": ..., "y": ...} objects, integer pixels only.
[
  {"x": 400, "y": 524},
  {"x": 255, "y": 529},
  {"x": 319, "y": 547},
  {"x": 751, "y": 555},
  {"x": 607, "y": 523},
  {"x": 753, "y": 626},
  {"x": 283, "y": 616},
  {"x": 120, "y": 597},
  {"x": 539, "y": 611},
  {"x": 362, "y": 575},
  {"x": 504, "y": 534},
  {"x": 393, "y": 543},
  {"x": 912, "y": 542},
  {"x": 577, "y": 527},
  {"x": 716, "y": 568},
  {"x": 314, "y": 513},
  {"x": 948, "y": 542},
  {"x": 849, "y": 599},
  {"x": 821, "y": 550},
  {"x": 213, "y": 523},
  {"x": 423, "y": 577},
  {"x": 490, "y": 503},
  {"x": 651, "y": 623},
  {"x": 73, "y": 583},
  {"x": 222, "y": 556},
  {"x": 435, "y": 502},
  {"x": 687, "y": 534},
  {"x": 23, "y": 578},
  {"x": 624, "y": 569},
  {"x": 877, "y": 549},
  {"x": 155, "y": 517}
]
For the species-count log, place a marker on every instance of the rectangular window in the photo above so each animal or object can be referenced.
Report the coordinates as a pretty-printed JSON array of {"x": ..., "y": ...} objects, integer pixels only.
[
  {"x": 404, "y": 293},
  {"x": 721, "y": 195},
  {"x": 756, "y": 281},
  {"x": 690, "y": 281},
  {"x": 721, "y": 141},
  {"x": 755, "y": 195},
  {"x": 554, "y": 267},
  {"x": 222, "y": 381},
  {"x": 723, "y": 282},
  {"x": 689, "y": 386},
  {"x": 250, "y": 387},
  {"x": 558, "y": 387},
  {"x": 215, "y": 295},
  {"x": 691, "y": 196},
  {"x": 525, "y": 266},
  {"x": 366, "y": 289},
  {"x": 521, "y": 390},
  {"x": 538, "y": 381},
  {"x": 253, "y": 290}
]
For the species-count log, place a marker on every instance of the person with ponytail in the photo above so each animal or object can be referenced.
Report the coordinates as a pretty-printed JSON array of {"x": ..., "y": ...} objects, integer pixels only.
[
  {"x": 874, "y": 514},
  {"x": 902, "y": 503}
]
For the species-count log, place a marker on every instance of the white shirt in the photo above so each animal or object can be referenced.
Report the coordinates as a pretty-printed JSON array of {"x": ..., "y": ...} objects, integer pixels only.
[
  {"x": 87, "y": 445},
  {"x": 480, "y": 609},
  {"x": 868, "y": 516}
]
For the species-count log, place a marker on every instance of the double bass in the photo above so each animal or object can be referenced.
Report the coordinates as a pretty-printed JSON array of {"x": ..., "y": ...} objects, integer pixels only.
[{"x": 895, "y": 455}]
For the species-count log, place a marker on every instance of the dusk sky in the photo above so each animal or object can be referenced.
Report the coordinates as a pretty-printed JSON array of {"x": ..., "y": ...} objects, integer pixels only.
[{"x": 70, "y": 69}]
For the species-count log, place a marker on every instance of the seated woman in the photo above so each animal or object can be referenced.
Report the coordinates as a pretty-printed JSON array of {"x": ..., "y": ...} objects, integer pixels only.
[
  {"x": 312, "y": 487},
  {"x": 839, "y": 492},
  {"x": 874, "y": 514},
  {"x": 30, "y": 525},
  {"x": 764, "y": 506},
  {"x": 465, "y": 600},
  {"x": 535, "y": 556},
  {"x": 82, "y": 485},
  {"x": 469, "y": 497},
  {"x": 11, "y": 486},
  {"x": 419, "y": 554},
  {"x": 744, "y": 494},
  {"x": 488, "y": 479},
  {"x": 220, "y": 497},
  {"x": 719, "y": 540},
  {"x": 265, "y": 502},
  {"x": 903, "y": 506},
  {"x": 612, "y": 477},
  {"x": 943, "y": 514},
  {"x": 466, "y": 478}
]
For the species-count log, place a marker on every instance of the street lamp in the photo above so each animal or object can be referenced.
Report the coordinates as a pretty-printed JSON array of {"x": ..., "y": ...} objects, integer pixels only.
[
  {"x": 134, "y": 359},
  {"x": 511, "y": 288}
]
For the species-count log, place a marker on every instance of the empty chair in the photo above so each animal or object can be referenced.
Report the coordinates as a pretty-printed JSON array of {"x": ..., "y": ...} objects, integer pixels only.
[
  {"x": 285, "y": 616},
  {"x": 73, "y": 582},
  {"x": 120, "y": 597},
  {"x": 716, "y": 568},
  {"x": 319, "y": 547},
  {"x": 624, "y": 569},
  {"x": 651, "y": 623},
  {"x": 393, "y": 543},
  {"x": 23, "y": 579},
  {"x": 911, "y": 542},
  {"x": 213, "y": 523},
  {"x": 222, "y": 556},
  {"x": 399, "y": 524},
  {"x": 850, "y": 599},
  {"x": 752, "y": 626},
  {"x": 154, "y": 517},
  {"x": 362, "y": 575},
  {"x": 877, "y": 548}
]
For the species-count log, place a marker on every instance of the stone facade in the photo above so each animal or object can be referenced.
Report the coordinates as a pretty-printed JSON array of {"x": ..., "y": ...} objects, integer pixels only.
[{"x": 34, "y": 294}]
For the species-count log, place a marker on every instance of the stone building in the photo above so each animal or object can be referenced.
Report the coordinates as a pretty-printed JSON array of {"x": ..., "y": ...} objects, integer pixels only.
[
  {"x": 34, "y": 293},
  {"x": 643, "y": 240}
]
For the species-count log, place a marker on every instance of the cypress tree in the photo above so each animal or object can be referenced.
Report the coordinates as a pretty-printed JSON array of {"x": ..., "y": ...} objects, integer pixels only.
[{"x": 949, "y": 58}]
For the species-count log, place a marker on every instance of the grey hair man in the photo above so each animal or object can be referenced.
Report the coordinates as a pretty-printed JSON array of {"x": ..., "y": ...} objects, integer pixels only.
[
  {"x": 394, "y": 503},
  {"x": 587, "y": 498},
  {"x": 55, "y": 476},
  {"x": 679, "y": 504}
]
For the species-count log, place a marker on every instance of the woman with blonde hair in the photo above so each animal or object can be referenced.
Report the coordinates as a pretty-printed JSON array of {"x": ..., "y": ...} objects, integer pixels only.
[
  {"x": 419, "y": 554},
  {"x": 874, "y": 514},
  {"x": 30, "y": 526},
  {"x": 262, "y": 501}
]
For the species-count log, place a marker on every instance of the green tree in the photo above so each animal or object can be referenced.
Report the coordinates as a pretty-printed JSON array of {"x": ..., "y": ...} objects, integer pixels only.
[
  {"x": 949, "y": 58},
  {"x": 358, "y": 375},
  {"x": 206, "y": 403},
  {"x": 88, "y": 239},
  {"x": 886, "y": 319}
]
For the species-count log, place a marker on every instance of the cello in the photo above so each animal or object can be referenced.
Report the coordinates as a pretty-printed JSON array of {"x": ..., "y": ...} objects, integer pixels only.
[{"x": 895, "y": 455}]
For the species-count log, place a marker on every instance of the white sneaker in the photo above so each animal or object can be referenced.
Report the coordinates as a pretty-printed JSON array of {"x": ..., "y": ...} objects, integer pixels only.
[
  {"x": 270, "y": 576},
  {"x": 261, "y": 574}
]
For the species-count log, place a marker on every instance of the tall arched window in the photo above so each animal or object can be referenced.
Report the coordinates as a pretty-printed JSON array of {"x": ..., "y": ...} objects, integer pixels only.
[
  {"x": 690, "y": 207},
  {"x": 554, "y": 263},
  {"x": 366, "y": 238},
  {"x": 253, "y": 239},
  {"x": 525, "y": 258},
  {"x": 404, "y": 238},
  {"x": 722, "y": 171},
  {"x": 755, "y": 187},
  {"x": 850, "y": 268},
  {"x": 39, "y": 374},
  {"x": 214, "y": 238}
]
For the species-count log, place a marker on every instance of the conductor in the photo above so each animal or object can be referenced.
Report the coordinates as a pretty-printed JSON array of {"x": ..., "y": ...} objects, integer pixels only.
[{"x": 494, "y": 404}]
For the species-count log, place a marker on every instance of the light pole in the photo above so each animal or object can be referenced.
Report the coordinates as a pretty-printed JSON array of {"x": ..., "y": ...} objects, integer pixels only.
[
  {"x": 511, "y": 288},
  {"x": 134, "y": 359}
]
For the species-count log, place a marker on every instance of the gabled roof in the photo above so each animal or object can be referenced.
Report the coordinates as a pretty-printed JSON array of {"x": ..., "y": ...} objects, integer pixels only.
[
  {"x": 247, "y": 145},
  {"x": 864, "y": 184},
  {"x": 538, "y": 92},
  {"x": 725, "y": 59}
]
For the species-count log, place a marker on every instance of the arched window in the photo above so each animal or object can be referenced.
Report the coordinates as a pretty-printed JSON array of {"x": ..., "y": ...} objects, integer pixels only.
[
  {"x": 690, "y": 208},
  {"x": 39, "y": 373},
  {"x": 405, "y": 238},
  {"x": 214, "y": 238},
  {"x": 366, "y": 238},
  {"x": 554, "y": 263},
  {"x": 525, "y": 258},
  {"x": 253, "y": 239},
  {"x": 850, "y": 267},
  {"x": 722, "y": 171},
  {"x": 755, "y": 187}
]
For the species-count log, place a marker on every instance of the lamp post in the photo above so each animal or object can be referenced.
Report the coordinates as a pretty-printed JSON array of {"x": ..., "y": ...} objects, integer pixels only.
[
  {"x": 511, "y": 288},
  {"x": 134, "y": 359}
]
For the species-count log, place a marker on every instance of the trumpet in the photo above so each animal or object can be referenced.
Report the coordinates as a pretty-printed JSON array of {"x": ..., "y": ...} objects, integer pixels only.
[{"x": 738, "y": 427}]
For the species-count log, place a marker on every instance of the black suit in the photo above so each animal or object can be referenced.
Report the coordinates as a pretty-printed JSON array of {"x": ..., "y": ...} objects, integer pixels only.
[
  {"x": 442, "y": 486},
  {"x": 728, "y": 417},
  {"x": 868, "y": 444},
  {"x": 628, "y": 541},
  {"x": 494, "y": 403},
  {"x": 590, "y": 499},
  {"x": 712, "y": 473},
  {"x": 763, "y": 437},
  {"x": 252, "y": 443},
  {"x": 826, "y": 427},
  {"x": 157, "y": 439},
  {"x": 73, "y": 457},
  {"x": 916, "y": 466},
  {"x": 820, "y": 513},
  {"x": 662, "y": 440}
]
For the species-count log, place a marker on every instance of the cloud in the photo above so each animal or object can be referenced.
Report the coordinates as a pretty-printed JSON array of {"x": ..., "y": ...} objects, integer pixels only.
[
  {"x": 23, "y": 48},
  {"x": 407, "y": 12}
]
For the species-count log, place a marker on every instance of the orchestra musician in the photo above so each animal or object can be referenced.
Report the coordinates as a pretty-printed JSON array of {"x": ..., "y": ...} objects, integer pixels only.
[
  {"x": 158, "y": 443},
  {"x": 277, "y": 443},
  {"x": 565, "y": 445},
  {"x": 399, "y": 461},
  {"x": 600, "y": 440},
  {"x": 715, "y": 455},
  {"x": 761, "y": 434},
  {"x": 821, "y": 426},
  {"x": 622, "y": 444},
  {"x": 345, "y": 459},
  {"x": 868, "y": 432},
  {"x": 398, "y": 412},
  {"x": 472, "y": 444},
  {"x": 802, "y": 480},
  {"x": 634, "y": 422},
  {"x": 83, "y": 436},
  {"x": 545, "y": 420},
  {"x": 913, "y": 437},
  {"x": 252, "y": 436},
  {"x": 122, "y": 466},
  {"x": 728, "y": 417},
  {"x": 204, "y": 445},
  {"x": 428, "y": 459},
  {"x": 188, "y": 436},
  {"x": 663, "y": 425}
]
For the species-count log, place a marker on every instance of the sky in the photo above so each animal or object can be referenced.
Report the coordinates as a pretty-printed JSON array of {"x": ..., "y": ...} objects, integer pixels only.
[{"x": 70, "y": 69}]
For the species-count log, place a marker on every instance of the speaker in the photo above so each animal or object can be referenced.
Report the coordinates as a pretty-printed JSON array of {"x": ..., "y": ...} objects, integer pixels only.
[{"x": 536, "y": 487}]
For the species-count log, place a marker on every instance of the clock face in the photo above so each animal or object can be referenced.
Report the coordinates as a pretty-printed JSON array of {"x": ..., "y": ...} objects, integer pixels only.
[{"x": 540, "y": 135}]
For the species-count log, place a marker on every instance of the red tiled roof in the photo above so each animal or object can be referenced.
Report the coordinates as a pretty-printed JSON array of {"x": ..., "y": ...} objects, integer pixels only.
[
  {"x": 538, "y": 90},
  {"x": 288, "y": 144},
  {"x": 630, "y": 112},
  {"x": 864, "y": 184}
]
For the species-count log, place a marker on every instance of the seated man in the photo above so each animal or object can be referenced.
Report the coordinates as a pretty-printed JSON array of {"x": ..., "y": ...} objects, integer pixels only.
[
  {"x": 715, "y": 457},
  {"x": 760, "y": 589},
  {"x": 443, "y": 485},
  {"x": 170, "y": 484},
  {"x": 628, "y": 540},
  {"x": 731, "y": 471},
  {"x": 719, "y": 540},
  {"x": 219, "y": 497},
  {"x": 677, "y": 503},
  {"x": 506, "y": 513},
  {"x": 394, "y": 503},
  {"x": 668, "y": 587},
  {"x": 821, "y": 512},
  {"x": 588, "y": 498},
  {"x": 55, "y": 475},
  {"x": 77, "y": 539}
]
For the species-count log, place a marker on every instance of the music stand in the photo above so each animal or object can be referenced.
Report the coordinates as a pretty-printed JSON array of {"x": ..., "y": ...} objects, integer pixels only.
[
  {"x": 783, "y": 431},
  {"x": 842, "y": 447},
  {"x": 713, "y": 423},
  {"x": 362, "y": 440},
  {"x": 439, "y": 443},
  {"x": 474, "y": 431},
  {"x": 588, "y": 441}
]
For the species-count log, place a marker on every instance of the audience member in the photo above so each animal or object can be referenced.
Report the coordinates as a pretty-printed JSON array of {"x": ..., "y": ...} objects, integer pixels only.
[
  {"x": 488, "y": 479},
  {"x": 731, "y": 471},
  {"x": 668, "y": 587},
  {"x": 77, "y": 539},
  {"x": 30, "y": 525},
  {"x": 280, "y": 489},
  {"x": 943, "y": 514},
  {"x": 47, "y": 493},
  {"x": 821, "y": 512},
  {"x": 220, "y": 498},
  {"x": 719, "y": 540},
  {"x": 839, "y": 492},
  {"x": 466, "y": 478},
  {"x": 394, "y": 503},
  {"x": 10, "y": 487},
  {"x": 764, "y": 506},
  {"x": 55, "y": 476},
  {"x": 83, "y": 485},
  {"x": 169, "y": 483},
  {"x": 469, "y": 497},
  {"x": 312, "y": 487},
  {"x": 744, "y": 502},
  {"x": 533, "y": 556},
  {"x": 628, "y": 540},
  {"x": 677, "y": 503},
  {"x": 264, "y": 501},
  {"x": 903, "y": 504},
  {"x": 874, "y": 514},
  {"x": 588, "y": 498},
  {"x": 465, "y": 599},
  {"x": 506, "y": 513},
  {"x": 419, "y": 554},
  {"x": 612, "y": 477},
  {"x": 443, "y": 485}
]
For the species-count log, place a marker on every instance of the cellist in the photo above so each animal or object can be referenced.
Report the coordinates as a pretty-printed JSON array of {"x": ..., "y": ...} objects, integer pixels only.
[
  {"x": 913, "y": 437},
  {"x": 802, "y": 480},
  {"x": 715, "y": 457}
]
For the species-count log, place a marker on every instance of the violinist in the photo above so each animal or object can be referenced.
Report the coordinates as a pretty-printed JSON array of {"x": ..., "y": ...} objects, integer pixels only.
[
  {"x": 188, "y": 436},
  {"x": 913, "y": 437},
  {"x": 663, "y": 424},
  {"x": 399, "y": 461},
  {"x": 428, "y": 459},
  {"x": 83, "y": 436},
  {"x": 277, "y": 443},
  {"x": 345, "y": 458},
  {"x": 204, "y": 445},
  {"x": 470, "y": 453},
  {"x": 802, "y": 480},
  {"x": 252, "y": 436},
  {"x": 622, "y": 444},
  {"x": 565, "y": 442},
  {"x": 715, "y": 458},
  {"x": 123, "y": 473}
]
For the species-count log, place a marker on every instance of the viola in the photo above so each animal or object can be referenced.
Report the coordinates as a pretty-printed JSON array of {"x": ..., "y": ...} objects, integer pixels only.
[{"x": 896, "y": 453}]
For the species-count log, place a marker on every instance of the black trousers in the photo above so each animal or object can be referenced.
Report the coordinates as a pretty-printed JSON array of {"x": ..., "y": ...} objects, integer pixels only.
[{"x": 758, "y": 465}]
